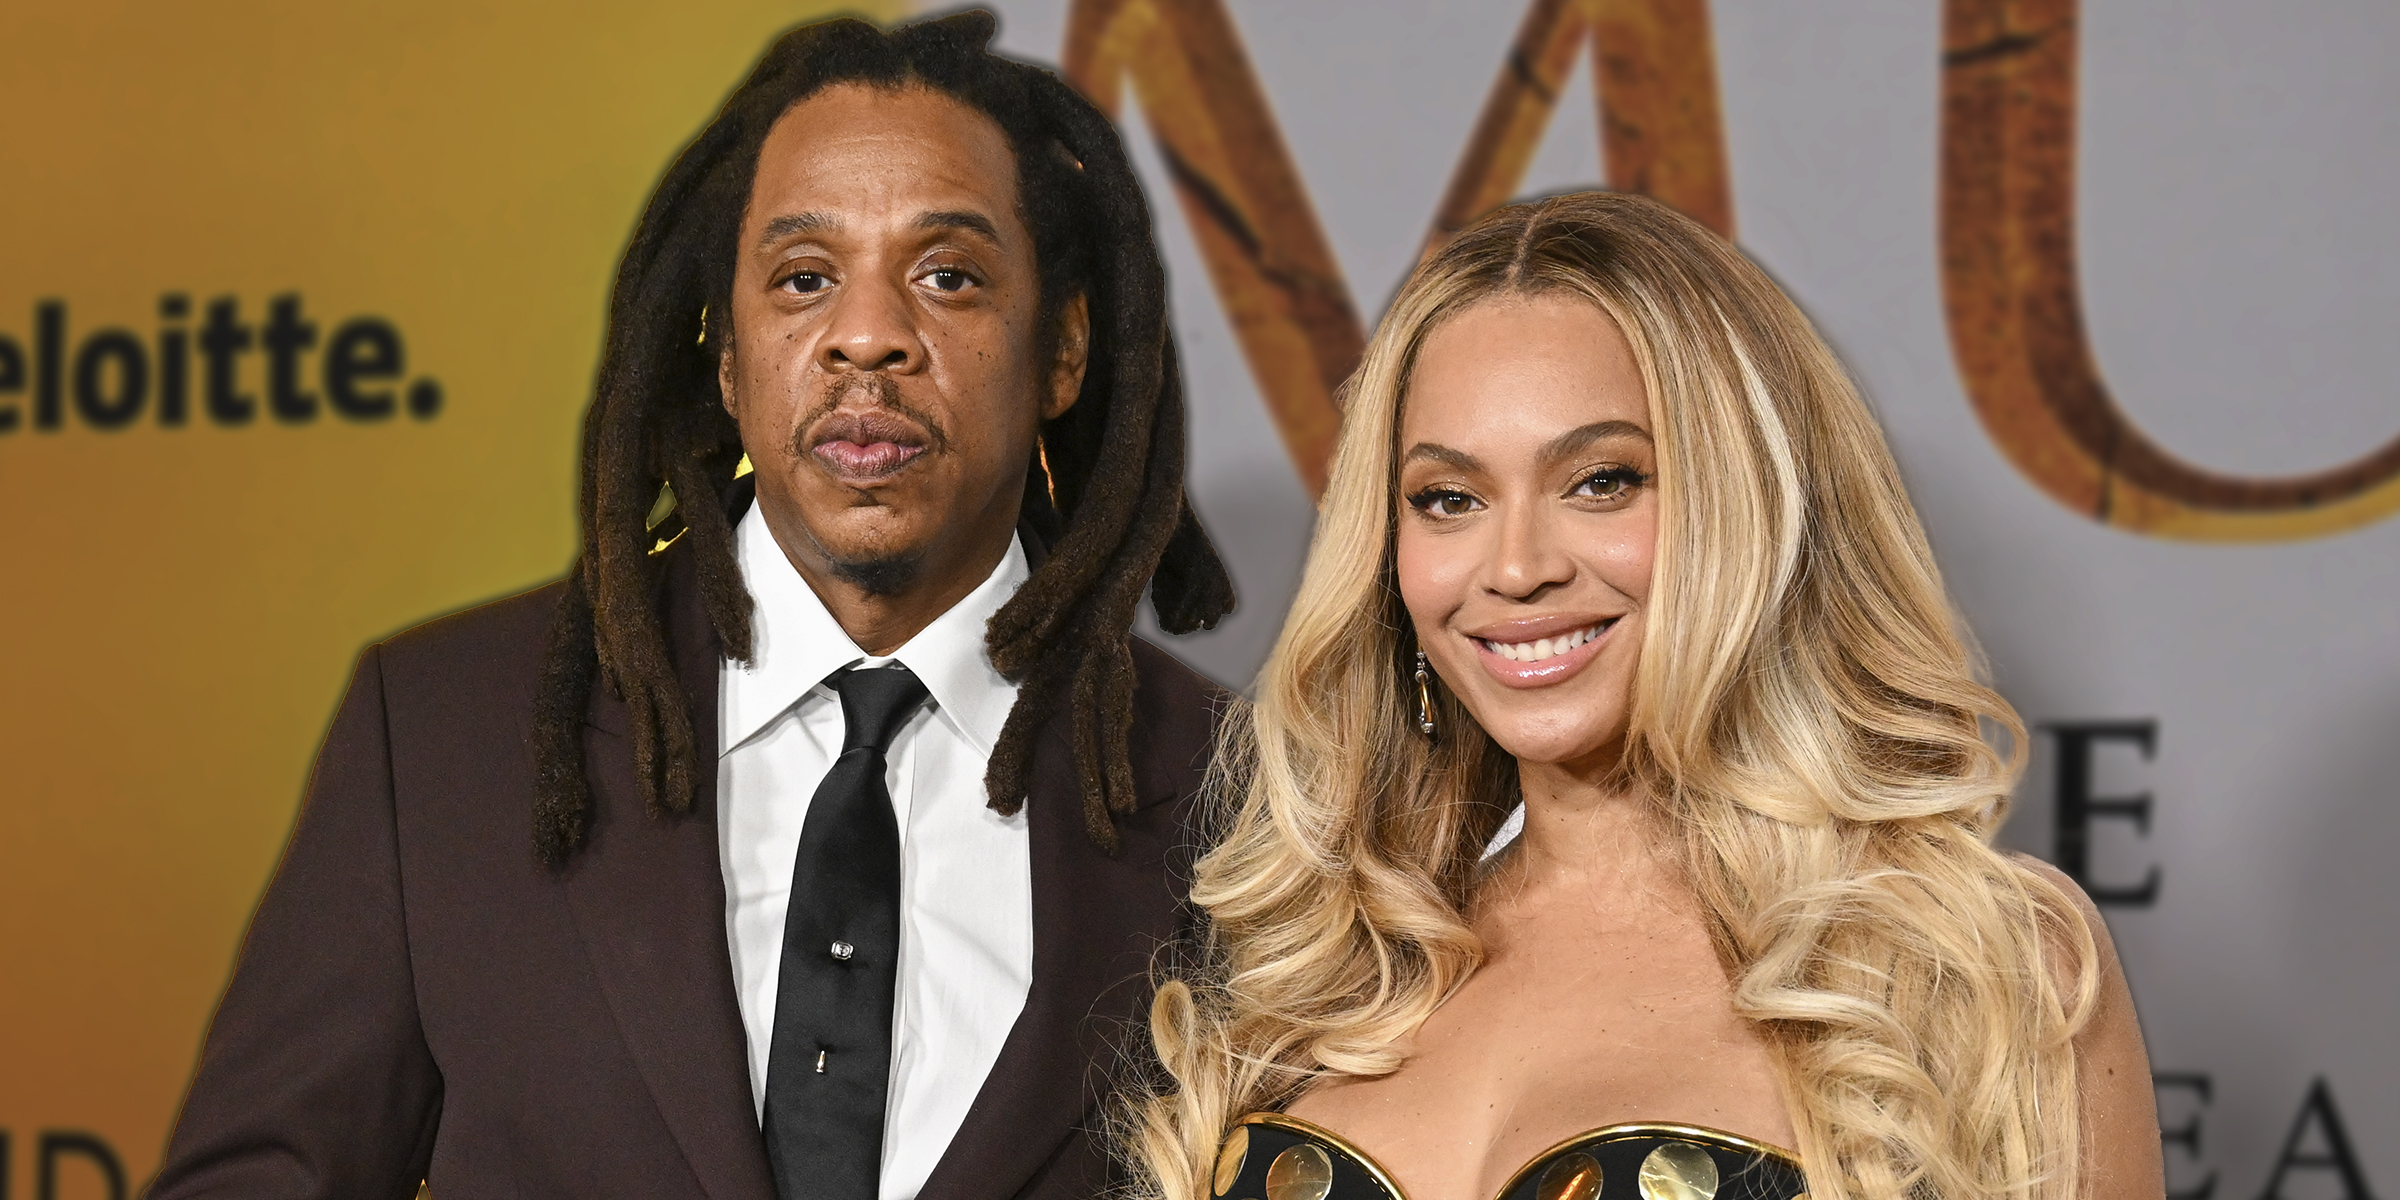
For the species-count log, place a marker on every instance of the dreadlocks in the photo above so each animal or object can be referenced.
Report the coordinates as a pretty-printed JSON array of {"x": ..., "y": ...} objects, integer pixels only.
[{"x": 1104, "y": 494}]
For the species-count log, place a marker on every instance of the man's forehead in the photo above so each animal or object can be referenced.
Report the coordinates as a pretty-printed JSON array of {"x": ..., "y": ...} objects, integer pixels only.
[{"x": 854, "y": 158}]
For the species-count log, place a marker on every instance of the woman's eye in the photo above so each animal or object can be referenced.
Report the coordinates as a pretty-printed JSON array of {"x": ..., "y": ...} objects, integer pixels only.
[
  {"x": 1610, "y": 483},
  {"x": 805, "y": 282},
  {"x": 1443, "y": 502},
  {"x": 949, "y": 279}
]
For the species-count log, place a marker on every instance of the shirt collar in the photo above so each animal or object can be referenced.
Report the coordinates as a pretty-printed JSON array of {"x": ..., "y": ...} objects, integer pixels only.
[{"x": 797, "y": 644}]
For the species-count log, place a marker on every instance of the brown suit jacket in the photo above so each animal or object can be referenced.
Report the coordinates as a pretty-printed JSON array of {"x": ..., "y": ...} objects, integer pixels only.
[{"x": 419, "y": 999}]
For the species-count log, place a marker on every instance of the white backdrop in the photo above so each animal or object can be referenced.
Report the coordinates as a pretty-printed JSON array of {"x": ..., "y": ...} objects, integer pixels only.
[{"x": 2235, "y": 192}]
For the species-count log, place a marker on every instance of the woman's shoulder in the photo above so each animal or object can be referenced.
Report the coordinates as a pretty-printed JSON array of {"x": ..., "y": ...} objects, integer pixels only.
[
  {"x": 2065, "y": 925},
  {"x": 2063, "y": 941},
  {"x": 2064, "y": 882},
  {"x": 2112, "y": 1067}
]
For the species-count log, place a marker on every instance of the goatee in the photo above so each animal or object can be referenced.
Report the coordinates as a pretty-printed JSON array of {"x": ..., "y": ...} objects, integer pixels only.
[{"x": 886, "y": 576}]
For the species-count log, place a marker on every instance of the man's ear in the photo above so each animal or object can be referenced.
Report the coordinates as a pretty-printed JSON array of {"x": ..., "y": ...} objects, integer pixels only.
[
  {"x": 725, "y": 373},
  {"x": 1074, "y": 354}
]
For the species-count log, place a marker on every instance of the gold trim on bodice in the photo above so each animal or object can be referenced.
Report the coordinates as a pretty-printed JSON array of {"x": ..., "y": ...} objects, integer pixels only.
[
  {"x": 1296, "y": 1125},
  {"x": 1680, "y": 1168}
]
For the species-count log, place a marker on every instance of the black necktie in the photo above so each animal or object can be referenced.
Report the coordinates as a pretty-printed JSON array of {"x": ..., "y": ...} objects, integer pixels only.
[{"x": 829, "y": 1066}]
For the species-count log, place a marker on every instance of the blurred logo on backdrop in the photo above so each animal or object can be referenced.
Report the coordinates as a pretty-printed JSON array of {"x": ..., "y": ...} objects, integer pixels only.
[
  {"x": 2011, "y": 290},
  {"x": 216, "y": 365}
]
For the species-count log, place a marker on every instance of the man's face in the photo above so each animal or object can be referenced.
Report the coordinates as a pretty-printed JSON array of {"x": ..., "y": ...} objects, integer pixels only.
[{"x": 883, "y": 360}]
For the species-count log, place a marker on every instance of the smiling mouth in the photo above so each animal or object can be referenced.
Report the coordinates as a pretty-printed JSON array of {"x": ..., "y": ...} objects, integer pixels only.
[{"x": 1541, "y": 649}]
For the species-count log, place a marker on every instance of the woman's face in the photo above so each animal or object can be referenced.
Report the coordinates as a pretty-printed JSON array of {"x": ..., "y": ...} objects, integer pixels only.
[{"x": 1528, "y": 519}]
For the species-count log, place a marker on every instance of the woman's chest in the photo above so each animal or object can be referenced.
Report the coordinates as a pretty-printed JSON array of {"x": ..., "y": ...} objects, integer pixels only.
[{"x": 1537, "y": 1047}]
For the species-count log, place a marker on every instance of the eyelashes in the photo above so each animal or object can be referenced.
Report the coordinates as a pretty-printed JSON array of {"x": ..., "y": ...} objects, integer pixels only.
[
  {"x": 1611, "y": 485},
  {"x": 803, "y": 282},
  {"x": 1441, "y": 501},
  {"x": 948, "y": 279}
]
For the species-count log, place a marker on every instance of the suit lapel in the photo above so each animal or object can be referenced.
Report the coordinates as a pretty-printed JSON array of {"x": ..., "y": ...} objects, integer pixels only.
[
  {"x": 1090, "y": 956},
  {"x": 649, "y": 899}
]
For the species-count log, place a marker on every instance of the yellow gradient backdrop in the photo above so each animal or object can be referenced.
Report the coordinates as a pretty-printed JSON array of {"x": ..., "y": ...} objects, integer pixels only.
[{"x": 179, "y": 608}]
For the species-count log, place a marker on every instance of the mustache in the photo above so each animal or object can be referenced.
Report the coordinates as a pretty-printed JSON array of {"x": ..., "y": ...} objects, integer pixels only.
[{"x": 885, "y": 417}]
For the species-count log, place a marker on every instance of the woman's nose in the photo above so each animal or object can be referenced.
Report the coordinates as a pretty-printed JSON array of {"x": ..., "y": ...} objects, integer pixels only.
[{"x": 1528, "y": 556}]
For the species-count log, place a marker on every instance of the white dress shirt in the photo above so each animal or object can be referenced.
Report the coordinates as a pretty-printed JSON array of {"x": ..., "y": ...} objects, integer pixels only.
[{"x": 966, "y": 872}]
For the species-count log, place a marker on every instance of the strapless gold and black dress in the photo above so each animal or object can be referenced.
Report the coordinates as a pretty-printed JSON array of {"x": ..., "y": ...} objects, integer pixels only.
[{"x": 1269, "y": 1156}]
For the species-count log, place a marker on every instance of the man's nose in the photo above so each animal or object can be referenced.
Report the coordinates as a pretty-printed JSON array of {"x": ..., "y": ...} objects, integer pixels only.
[{"x": 871, "y": 329}]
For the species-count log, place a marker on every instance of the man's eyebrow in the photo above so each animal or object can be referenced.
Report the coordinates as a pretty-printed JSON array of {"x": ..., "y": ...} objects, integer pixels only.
[
  {"x": 1574, "y": 440},
  {"x": 791, "y": 223},
  {"x": 960, "y": 219},
  {"x": 1436, "y": 452},
  {"x": 816, "y": 222}
]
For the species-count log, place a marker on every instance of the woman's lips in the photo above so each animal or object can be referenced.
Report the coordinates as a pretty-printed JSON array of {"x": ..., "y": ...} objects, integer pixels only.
[{"x": 1541, "y": 662}]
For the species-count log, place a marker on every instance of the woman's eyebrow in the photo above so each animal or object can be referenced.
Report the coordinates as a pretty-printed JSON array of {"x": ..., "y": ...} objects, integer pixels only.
[
  {"x": 1575, "y": 440},
  {"x": 1435, "y": 452}
]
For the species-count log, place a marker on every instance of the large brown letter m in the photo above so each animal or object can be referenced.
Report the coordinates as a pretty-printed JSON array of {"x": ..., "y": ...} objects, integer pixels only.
[{"x": 1250, "y": 211}]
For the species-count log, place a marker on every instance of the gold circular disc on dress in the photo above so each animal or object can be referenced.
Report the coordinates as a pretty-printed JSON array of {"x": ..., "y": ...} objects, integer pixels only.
[
  {"x": 1229, "y": 1159},
  {"x": 1679, "y": 1171},
  {"x": 1300, "y": 1173},
  {"x": 1573, "y": 1177}
]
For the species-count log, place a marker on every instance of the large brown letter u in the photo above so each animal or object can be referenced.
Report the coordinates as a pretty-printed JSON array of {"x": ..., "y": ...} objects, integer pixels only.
[{"x": 2015, "y": 306}]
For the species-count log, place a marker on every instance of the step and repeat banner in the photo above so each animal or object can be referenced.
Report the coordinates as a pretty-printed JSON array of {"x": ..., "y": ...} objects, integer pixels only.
[
  {"x": 299, "y": 308},
  {"x": 299, "y": 305}
]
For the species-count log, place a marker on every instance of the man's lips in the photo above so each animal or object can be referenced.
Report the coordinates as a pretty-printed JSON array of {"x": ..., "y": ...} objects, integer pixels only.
[
  {"x": 1540, "y": 653},
  {"x": 868, "y": 460},
  {"x": 863, "y": 446}
]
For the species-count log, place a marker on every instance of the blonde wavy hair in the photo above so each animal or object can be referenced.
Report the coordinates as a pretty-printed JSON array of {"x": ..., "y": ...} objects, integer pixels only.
[{"x": 1805, "y": 717}]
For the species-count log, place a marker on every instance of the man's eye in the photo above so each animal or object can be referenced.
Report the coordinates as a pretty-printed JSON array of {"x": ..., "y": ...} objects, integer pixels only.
[
  {"x": 1443, "y": 502},
  {"x": 1610, "y": 483},
  {"x": 805, "y": 282},
  {"x": 949, "y": 279}
]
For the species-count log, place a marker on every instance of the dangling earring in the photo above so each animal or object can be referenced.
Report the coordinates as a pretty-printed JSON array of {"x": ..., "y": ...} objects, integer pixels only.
[{"x": 1424, "y": 698}]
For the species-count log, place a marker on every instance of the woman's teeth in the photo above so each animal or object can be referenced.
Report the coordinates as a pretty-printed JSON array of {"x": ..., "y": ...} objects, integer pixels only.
[{"x": 1541, "y": 648}]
